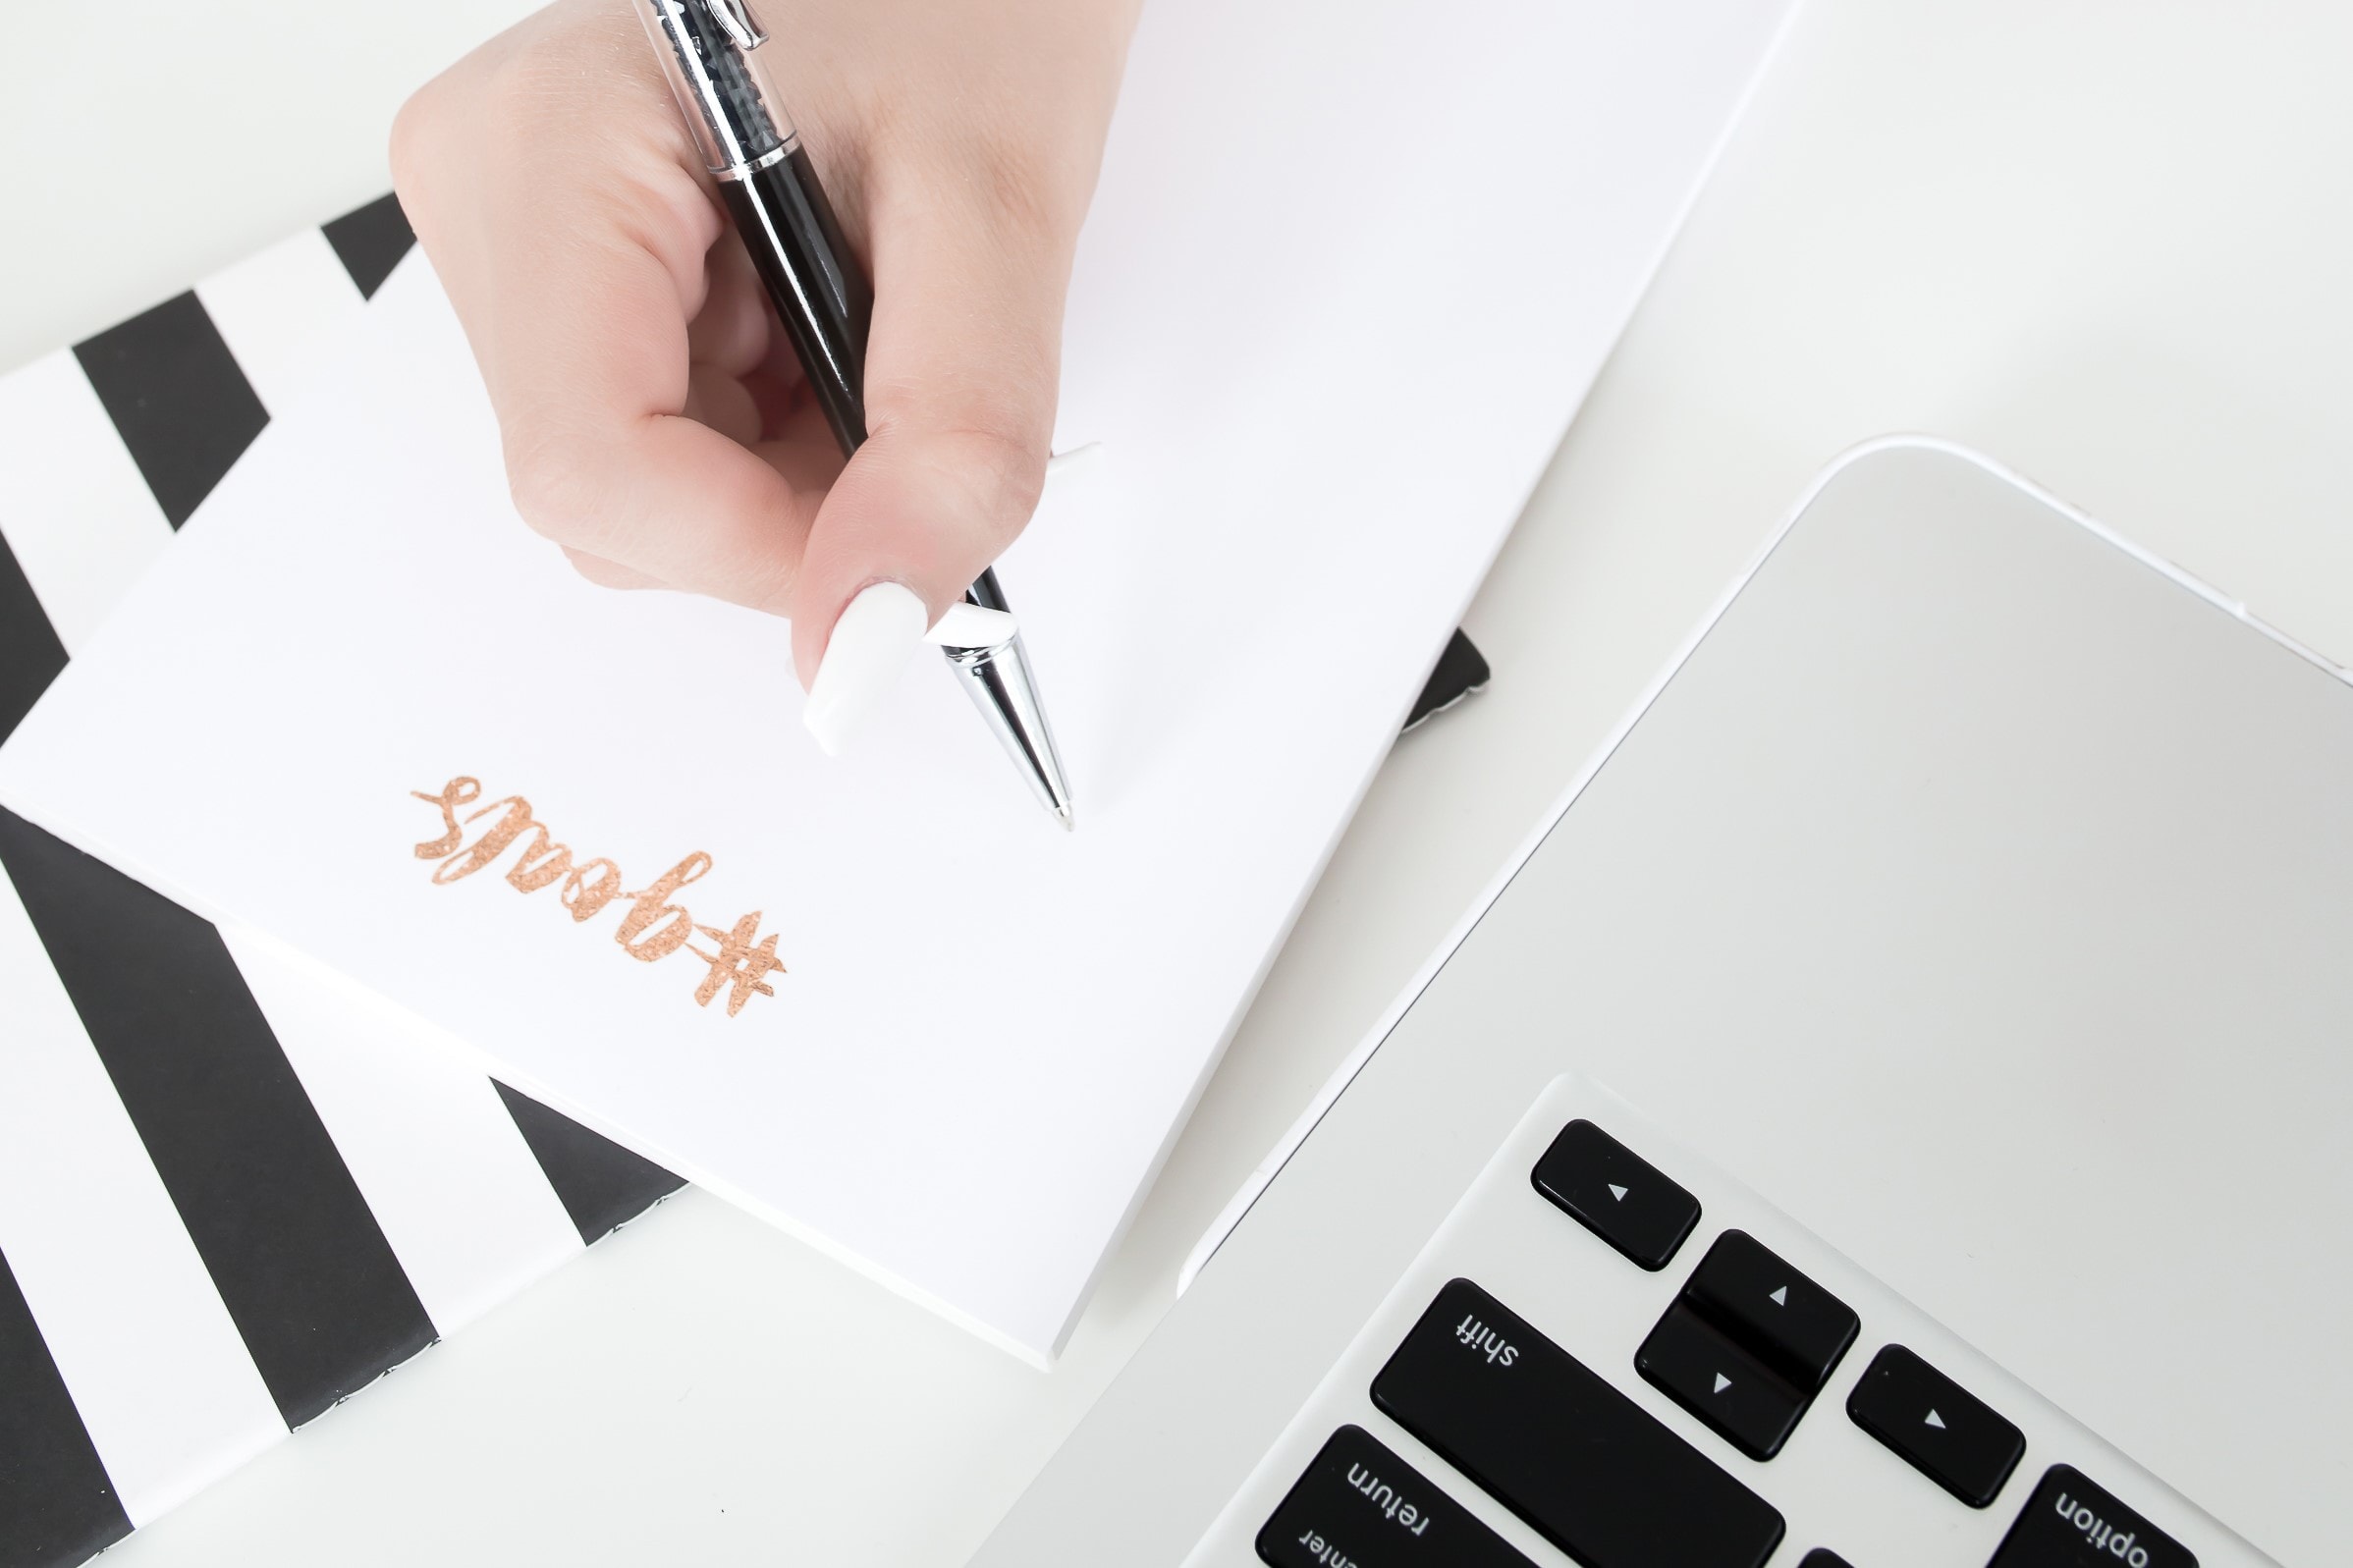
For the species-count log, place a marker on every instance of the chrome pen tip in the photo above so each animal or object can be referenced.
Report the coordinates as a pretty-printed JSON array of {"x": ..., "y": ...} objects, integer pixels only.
[
  {"x": 1062, "y": 814},
  {"x": 1001, "y": 687}
]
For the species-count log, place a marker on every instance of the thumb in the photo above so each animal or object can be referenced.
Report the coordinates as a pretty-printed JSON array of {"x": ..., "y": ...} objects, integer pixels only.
[{"x": 961, "y": 377}]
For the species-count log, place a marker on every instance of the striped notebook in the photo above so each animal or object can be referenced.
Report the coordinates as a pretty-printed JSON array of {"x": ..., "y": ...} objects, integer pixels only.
[{"x": 232, "y": 1191}]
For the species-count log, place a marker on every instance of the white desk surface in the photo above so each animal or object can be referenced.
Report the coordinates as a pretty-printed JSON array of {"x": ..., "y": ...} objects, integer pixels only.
[{"x": 2104, "y": 242}]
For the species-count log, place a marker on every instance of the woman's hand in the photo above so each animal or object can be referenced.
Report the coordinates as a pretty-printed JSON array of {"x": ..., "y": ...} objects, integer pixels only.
[{"x": 652, "y": 414}]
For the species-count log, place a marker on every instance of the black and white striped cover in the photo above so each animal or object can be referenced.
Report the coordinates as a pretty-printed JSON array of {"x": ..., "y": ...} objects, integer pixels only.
[{"x": 232, "y": 1189}]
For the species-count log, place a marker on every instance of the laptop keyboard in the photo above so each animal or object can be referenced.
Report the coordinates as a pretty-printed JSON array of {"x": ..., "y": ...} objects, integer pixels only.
[
  {"x": 1613, "y": 1356},
  {"x": 1558, "y": 1446}
]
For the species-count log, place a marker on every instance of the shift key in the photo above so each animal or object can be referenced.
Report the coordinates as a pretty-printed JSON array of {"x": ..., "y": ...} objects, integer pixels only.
[{"x": 1554, "y": 1441}]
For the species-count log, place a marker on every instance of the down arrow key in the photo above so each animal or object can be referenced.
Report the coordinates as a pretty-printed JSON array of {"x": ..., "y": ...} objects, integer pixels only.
[{"x": 1690, "y": 1360}]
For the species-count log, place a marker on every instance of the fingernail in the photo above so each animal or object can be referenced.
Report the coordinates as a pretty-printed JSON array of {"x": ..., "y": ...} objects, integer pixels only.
[
  {"x": 1064, "y": 462},
  {"x": 968, "y": 626},
  {"x": 869, "y": 647}
]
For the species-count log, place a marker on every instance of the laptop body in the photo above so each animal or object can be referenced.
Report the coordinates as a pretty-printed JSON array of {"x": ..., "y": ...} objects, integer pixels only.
[{"x": 1972, "y": 899}]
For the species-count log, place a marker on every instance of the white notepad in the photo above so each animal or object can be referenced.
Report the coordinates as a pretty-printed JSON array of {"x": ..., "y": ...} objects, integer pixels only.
[{"x": 1349, "y": 273}]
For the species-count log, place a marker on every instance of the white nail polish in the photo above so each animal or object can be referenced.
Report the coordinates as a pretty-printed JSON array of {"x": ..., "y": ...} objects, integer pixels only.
[
  {"x": 870, "y": 644},
  {"x": 968, "y": 626},
  {"x": 1077, "y": 457}
]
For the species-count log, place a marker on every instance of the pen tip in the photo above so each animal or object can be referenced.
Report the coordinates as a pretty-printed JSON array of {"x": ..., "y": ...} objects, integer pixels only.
[{"x": 1063, "y": 814}]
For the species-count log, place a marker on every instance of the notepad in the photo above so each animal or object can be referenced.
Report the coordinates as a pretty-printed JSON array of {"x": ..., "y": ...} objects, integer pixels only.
[{"x": 1348, "y": 275}]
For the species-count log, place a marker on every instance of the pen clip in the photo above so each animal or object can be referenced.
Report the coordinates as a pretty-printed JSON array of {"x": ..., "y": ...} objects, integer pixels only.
[{"x": 736, "y": 19}]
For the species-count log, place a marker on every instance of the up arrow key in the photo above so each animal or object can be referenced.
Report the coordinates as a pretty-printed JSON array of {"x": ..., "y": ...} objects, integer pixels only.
[
  {"x": 1936, "y": 1421},
  {"x": 1617, "y": 1191}
]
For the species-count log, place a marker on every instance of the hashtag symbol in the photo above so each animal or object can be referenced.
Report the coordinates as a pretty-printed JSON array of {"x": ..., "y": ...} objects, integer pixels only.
[{"x": 739, "y": 964}]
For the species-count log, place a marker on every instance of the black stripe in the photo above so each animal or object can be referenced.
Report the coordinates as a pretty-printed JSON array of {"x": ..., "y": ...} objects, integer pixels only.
[
  {"x": 30, "y": 656},
  {"x": 1461, "y": 670},
  {"x": 57, "y": 1505},
  {"x": 371, "y": 241},
  {"x": 177, "y": 398},
  {"x": 298, "y": 1260},
  {"x": 603, "y": 1186}
]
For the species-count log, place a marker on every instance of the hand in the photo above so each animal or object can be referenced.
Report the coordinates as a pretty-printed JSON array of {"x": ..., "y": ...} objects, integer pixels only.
[{"x": 652, "y": 413}]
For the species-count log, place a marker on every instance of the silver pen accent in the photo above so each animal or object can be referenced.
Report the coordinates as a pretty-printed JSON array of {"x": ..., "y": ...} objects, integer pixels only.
[{"x": 1002, "y": 687}]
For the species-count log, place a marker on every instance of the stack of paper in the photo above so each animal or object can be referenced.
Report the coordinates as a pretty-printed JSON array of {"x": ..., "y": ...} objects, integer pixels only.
[{"x": 1349, "y": 271}]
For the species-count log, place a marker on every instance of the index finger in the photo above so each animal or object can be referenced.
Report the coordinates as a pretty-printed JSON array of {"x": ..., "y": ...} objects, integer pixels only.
[{"x": 556, "y": 192}]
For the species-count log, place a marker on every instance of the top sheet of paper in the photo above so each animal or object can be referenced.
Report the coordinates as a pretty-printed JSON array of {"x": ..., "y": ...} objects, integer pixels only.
[{"x": 1350, "y": 269}]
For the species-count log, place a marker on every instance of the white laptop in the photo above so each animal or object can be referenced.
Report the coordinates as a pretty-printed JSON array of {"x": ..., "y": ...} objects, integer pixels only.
[{"x": 1900, "y": 1112}]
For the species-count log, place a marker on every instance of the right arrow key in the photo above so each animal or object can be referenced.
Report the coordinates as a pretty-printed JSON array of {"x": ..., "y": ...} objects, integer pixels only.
[{"x": 1935, "y": 1425}]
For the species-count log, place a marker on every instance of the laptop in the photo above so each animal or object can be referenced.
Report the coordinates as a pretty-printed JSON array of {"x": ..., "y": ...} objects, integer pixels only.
[{"x": 1894, "y": 1112}]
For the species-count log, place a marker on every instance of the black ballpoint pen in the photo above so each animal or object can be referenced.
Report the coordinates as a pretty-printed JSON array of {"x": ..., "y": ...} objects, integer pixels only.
[{"x": 708, "y": 49}]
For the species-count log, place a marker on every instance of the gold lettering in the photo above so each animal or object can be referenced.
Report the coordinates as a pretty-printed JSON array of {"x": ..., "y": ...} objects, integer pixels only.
[
  {"x": 457, "y": 792},
  {"x": 739, "y": 964},
  {"x": 492, "y": 843},
  {"x": 652, "y": 930},
  {"x": 553, "y": 861},
  {"x": 584, "y": 897},
  {"x": 653, "y": 905}
]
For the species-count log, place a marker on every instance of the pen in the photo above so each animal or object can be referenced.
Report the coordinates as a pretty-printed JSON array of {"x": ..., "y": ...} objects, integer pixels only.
[{"x": 709, "y": 51}]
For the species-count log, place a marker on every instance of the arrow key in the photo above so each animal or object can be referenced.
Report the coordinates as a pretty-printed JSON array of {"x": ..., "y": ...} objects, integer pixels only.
[
  {"x": 1757, "y": 1298},
  {"x": 1935, "y": 1425},
  {"x": 1617, "y": 1194},
  {"x": 1745, "y": 1401}
]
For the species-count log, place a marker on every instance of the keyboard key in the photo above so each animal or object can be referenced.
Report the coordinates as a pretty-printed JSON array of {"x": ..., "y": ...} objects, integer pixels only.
[
  {"x": 1746, "y": 1402},
  {"x": 2071, "y": 1523},
  {"x": 1776, "y": 1313},
  {"x": 1823, "y": 1557},
  {"x": 1586, "y": 1467},
  {"x": 1941, "y": 1429},
  {"x": 1747, "y": 1344},
  {"x": 1617, "y": 1194},
  {"x": 1359, "y": 1503}
]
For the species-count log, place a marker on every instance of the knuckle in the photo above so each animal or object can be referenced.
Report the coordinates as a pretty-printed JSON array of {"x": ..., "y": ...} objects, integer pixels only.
[
  {"x": 1010, "y": 452},
  {"x": 440, "y": 134},
  {"x": 506, "y": 94},
  {"x": 416, "y": 129},
  {"x": 550, "y": 492},
  {"x": 991, "y": 170},
  {"x": 1014, "y": 178},
  {"x": 999, "y": 461},
  {"x": 1020, "y": 191}
]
